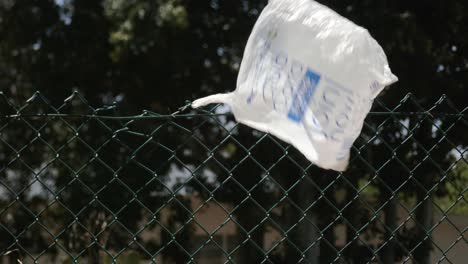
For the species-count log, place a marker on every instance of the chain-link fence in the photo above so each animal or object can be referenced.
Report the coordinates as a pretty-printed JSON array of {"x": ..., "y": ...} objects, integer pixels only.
[{"x": 92, "y": 185}]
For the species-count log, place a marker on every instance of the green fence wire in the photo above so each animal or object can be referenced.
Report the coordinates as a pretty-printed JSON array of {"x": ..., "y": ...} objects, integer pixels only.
[{"x": 80, "y": 184}]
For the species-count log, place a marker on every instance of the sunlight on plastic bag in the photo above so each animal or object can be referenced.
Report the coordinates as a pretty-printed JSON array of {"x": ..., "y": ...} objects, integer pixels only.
[{"x": 309, "y": 77}]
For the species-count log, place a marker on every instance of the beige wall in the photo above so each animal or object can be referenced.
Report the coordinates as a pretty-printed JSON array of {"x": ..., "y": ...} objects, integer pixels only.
[
  {"x": 212, "y": 216},
  {"x": 445, "y": 235}
]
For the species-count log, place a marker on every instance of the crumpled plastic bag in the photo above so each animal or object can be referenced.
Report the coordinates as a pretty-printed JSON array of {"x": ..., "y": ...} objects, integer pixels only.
[{"x": 309, "y": 77}]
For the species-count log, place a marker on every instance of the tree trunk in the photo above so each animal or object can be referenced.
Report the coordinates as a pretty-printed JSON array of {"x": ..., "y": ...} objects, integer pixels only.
[
  {"x": 310, "y": 235},
  {"x": 424, "y": 212},
  {"x": 251, "y": 251},
  {"x": 97, "y": 225},
  {"x": 388, "y": 253},
  {"x": 305, "y": 232},
  {"x": 424, "y": 217},
  {"x": 352, "y": 215},
  {"x": 327, "y": 215}
]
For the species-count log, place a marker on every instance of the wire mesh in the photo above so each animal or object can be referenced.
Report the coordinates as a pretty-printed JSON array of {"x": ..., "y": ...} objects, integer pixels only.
[{"x": 80, "y": 184}]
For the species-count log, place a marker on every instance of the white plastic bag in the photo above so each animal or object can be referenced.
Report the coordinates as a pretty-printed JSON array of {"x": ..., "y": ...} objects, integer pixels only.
[{"x": 309, "y": 77}]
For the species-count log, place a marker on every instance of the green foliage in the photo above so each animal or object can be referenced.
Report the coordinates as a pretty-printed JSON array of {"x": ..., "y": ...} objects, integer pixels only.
[{"x": 454, "y": 202}]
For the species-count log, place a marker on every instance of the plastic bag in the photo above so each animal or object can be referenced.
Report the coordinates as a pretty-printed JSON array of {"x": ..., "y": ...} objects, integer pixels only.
[{"x": 309, "y": 77}]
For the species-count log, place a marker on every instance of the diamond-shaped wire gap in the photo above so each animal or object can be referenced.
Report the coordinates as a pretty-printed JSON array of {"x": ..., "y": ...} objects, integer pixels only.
[
  {"x": 405, "y": 226},
  {"x": 286, "y": 197},
  {"x": 8, "y": 236},
  {"x": 17, "y": 177},
  {"x": 121, "y": 232},
  {"x": 240, "y": 227},
  {"x": 208, "y": 249},
  {"x": 174, "y": 223},
  {"x": 38, "y": 202},
  {"x": 419, "y": 226},
  {"x": 171, "y": 178},
  {"x": 228, "y": 153},
  {"x": 375, "y": 212},
  {"x": 451, "y": 198},
  {"x": 436, "y": 122},
  {"x": 77, "y": 239},
  {"x": 249, "y": 174},
  {"x": 8, "y": 105},
  {"x": 114, "y": 238},
  {"x": 34, "y": 108},
  {"x": 212, "y": 219},
  {"x": 76, "y": 243},
  {"x": 352, "y": 203},
  {"x": 390, "y": 230},
  {"x": 76, "y": 155},
  {"x": 54, "y": 131},
  {"x": 54, "y": 218},
  {"x": 17, "y": 221},
  {"x": 268, "y": 213},
  {"x": 151, "y": 149},
  {"x": 413, "y": 169},
  {"x": 376, "y": 123},
  {"x": 220, "y": 115},
  {"x": 271, "y": 146},
  {"x": 39, "y": 137},
  {"x": 35, "y": 156},
  {"x": 410, "y": 235},
  {"x": 49, "y": 148},
  {"x": 253, "y": 223},
  {"x": 96, "y": 141},
  {"x": 153, "y": 156},
  {"x": 180, "y": 146},
  {"x": 430, "y": 144},
  {"x": 59, "y": 212},
  {"x": 140, "y": 164},
  {"x": 449, "y": 255},
  {"x": 73, "y": 194},
  {"x": 355, "y": 227},
  {"x": 149, "y": 233},
  {"x": 77, "y": 106},
  {"x": 141, "y": 191},
  {"x": 57, "y": 152},
  {"x": 405, "y": 106},
  {"x": 23, "y": 182},
  {"x": 449, "y": 188},
  {"x": 178, "y": 155},
  {"x": 180, "y": 132},
  {"x": 97, "y": 220},
  {"x": 210, "y": 132},
  {"x": 182, "y": 143},
  {"x": 292, "y": 184},
  {"x": 416, "y": 226},
  {"x": 40, "y": 238},
  {"x": 449, "y": 129},
  {"x": 10, "y": 142},
  {"x": 385, "y": 161},
  {"x": 296, "y": 222},
  {"x": 183, "y": 205},
  {"x": 445, "y": 233},
  {"x": 227, "y": 149},
  {"x": 116, "y": 176}
]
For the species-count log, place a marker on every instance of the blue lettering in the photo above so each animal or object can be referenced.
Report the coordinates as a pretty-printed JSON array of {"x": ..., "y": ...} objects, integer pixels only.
[{"x": 303, "y": 96}]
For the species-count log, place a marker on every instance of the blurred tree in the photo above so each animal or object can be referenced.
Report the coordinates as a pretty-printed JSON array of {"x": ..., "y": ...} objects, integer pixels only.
[{"x": 155, "y": 54}]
